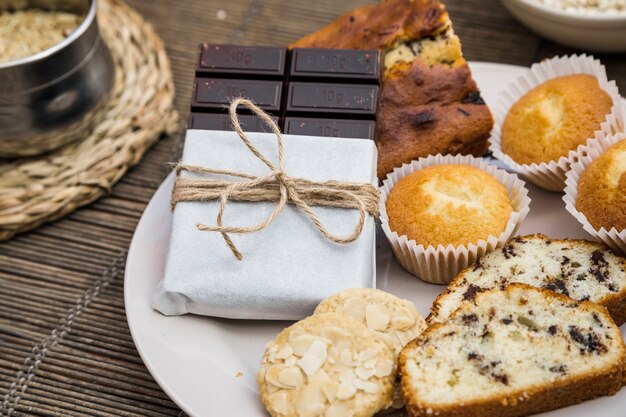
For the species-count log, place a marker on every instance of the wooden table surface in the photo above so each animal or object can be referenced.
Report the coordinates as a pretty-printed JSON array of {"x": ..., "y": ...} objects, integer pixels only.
[{"x": 65, "y": 348}]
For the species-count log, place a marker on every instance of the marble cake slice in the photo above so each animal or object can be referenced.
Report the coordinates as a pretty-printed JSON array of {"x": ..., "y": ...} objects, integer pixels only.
[
  {"x": 513, "y": 352},
  {"x": 429, "y": 102},
  {"x": 582, "y": 270}
]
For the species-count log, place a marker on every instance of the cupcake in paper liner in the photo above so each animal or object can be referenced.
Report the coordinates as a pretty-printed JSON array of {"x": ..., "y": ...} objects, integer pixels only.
[
  {"x": 546, "y": 116},
  {"x": 430, "y": 210},
  {"x": 595, "y": 192}
]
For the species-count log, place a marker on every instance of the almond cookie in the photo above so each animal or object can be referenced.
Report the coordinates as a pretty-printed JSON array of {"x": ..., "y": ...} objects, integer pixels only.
[
  {"x": 393, "y": 320},
  {"x": 326, "y": 365}
]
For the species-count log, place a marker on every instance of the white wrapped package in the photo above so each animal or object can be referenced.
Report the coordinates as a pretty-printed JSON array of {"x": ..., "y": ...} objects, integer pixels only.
[{"x": 288, "y": 267}]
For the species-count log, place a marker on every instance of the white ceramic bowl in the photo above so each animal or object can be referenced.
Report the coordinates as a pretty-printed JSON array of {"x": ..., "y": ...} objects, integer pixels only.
[{"x": 589, "y": 31}]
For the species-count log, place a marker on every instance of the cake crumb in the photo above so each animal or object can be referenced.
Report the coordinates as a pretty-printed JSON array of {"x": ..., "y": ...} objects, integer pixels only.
[{"x": 221, "y": 15}]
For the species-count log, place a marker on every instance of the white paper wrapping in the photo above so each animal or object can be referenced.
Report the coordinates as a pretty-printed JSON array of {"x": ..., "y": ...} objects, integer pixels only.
[
  {"x": 615, "y": 239},
  {"x": 438, "y": 265},
  {"x": 288, "y": 267},
  {"x": 551, "y": 175}
]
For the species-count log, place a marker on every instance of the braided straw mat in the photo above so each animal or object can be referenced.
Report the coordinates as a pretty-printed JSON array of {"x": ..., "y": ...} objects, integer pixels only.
[{"x": 37, "y": 190}]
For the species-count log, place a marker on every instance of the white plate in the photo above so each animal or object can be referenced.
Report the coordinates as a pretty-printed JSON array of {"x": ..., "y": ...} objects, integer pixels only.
[{"x": 208, "y": 366}]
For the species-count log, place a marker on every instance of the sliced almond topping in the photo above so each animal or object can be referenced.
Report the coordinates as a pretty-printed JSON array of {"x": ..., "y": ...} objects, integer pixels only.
[
  {"x": 329, "y": 388},
  {"x": 347, "y": 376},
  {"x": 334, "y": 333},
  {"x": 345, "y": 391},
  {"x": 272, "y": 376},
  {"x": 367, "y": 386},
  {"x": 314, "y": 358},
  {"x": 311, "y": 410},
  {"x": 402, "y": 319},
  {"x": 383, "y": 368},
  {"x": 368, "y": 354},
  {"x": 343, "y": 344},
  {"x": 386, "y": 338},
  {"x": 371, "y": 388},
  {"x": 309, "y": 364},
  {"x": 363, "y": 373},
  {"x": 285, "y": 352},
  {"x": 301, "y": 344},
  {"x": 376, "y": 317},
  {"x": 271, "y": 358},
  {"x": 333, "y": 355},
  {"x": 346, "y": 357},
  {"x": 404, "y": 337},
  {"x": 279, "y": 403},
  {"x": 370, "y": 363},
  {"x": 291, "y": 377},
  {"x": 319, "y": 378},
  {"x": 311, "y": 402},
  {"x": 339, "y": 409},
  {"x": 290, "y": 361},
  {"x": 359, "y": 384},
  {"x": 355, "y": 307}
]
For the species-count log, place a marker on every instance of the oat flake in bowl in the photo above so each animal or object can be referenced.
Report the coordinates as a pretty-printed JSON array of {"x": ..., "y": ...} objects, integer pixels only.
[
  {"x": 587, "y": 5},
  {"x": 587, "y": 25},
  {"x": 27, "y": 32}
]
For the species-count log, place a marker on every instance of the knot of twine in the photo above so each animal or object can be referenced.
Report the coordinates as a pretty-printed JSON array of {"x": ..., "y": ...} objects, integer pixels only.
[{"x": 276, "y": 186}]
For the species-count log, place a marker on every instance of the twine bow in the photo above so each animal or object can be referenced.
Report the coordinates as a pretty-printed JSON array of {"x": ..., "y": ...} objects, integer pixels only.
[{"x": 276, "y": 186}]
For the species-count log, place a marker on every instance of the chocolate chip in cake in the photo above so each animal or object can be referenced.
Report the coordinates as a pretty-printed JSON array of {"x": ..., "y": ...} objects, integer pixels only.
[
  {"x": 557, "y": 285},
  {"x": 561, "y": 369},
  {"x": 508, "y": 252},
  {"x": 471, "y": 292},
  {"x": 423, "y": 118},
  {"x": 591, "y": 341},
  {"x": 469, "y": 318},
  {"x": 473, "y": 98}
]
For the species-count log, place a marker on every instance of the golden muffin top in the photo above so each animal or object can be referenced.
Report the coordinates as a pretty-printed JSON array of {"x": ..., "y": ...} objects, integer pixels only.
[
  {"x": 602, "y": 189},
  {"x": 448, "y": 204},
  {"x": 554, "y": 118}
]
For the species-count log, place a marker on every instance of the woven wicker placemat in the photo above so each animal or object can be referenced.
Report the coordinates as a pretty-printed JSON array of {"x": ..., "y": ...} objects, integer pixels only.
[{"x": 37, "y": 190}]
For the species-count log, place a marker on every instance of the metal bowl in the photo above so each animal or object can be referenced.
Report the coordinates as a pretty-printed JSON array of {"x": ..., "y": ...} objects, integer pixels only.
[{"x": 54, "y": 97}]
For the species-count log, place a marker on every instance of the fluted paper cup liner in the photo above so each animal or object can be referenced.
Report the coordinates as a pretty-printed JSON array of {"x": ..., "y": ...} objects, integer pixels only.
[
  {"x": 615, "y": 239},
  {"x": 551, "y": 175},
  {"x": 440, "y": 264}
]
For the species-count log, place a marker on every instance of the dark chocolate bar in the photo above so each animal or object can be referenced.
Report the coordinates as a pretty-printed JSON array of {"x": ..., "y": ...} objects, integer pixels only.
[
  {"x": 320, "y": 92},
  {"x": 241, "y": 60},
  {"x": 332, "y": 98},
  {"x": 215, "y": 93},
  {"x": 337, "y": 128},
  {"x": 344, "y": 65},
  {"x": 221, "y": 121}
]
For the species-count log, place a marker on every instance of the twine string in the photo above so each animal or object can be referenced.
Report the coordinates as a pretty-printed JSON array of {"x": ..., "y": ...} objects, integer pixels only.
[{"x": 276, "y": 186}]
